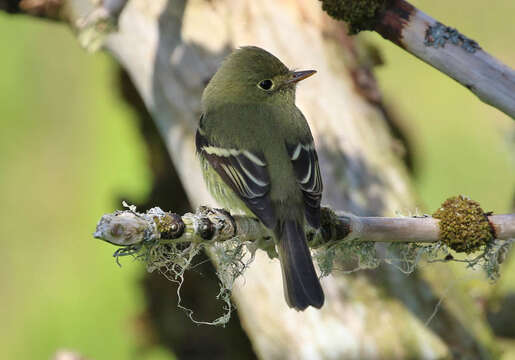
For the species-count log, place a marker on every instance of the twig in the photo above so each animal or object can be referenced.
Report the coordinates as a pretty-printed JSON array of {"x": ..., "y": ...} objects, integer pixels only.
[{"x": 438, "y": 45}]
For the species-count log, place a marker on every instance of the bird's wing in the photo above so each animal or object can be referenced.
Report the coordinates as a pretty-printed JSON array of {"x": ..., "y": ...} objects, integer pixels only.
[
  {"x": 305, "y": 165},
  {"x": 246, "y": 174}
]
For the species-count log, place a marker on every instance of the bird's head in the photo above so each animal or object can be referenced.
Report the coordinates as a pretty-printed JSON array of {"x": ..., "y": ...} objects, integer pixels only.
[{"x": 253, "y": 75}]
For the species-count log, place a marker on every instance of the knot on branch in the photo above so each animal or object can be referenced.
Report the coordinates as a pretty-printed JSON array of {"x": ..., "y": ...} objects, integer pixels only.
[
  {"x": 332, "y": 228},
  {"x": 464, "y": 226},
  {"x": 359, "y": 14},
  {"x": 125, "y": 228},
  {"x": 213, "y": 223},
  {"x": 169, "y": 225}
]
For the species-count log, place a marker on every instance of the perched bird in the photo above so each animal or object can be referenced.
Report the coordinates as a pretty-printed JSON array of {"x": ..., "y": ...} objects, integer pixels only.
[{"x": 257, "y": 155}]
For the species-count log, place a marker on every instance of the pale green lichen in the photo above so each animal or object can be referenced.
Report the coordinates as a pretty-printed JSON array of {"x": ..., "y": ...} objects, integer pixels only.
[
  {"x": 406, "y": 256},
  {"x": 361, "y": 252},
  {"x": 174, "y": 259},
  {"x": 438, "y": 35},
  {"x": 490, "y": 259},
  {"x": 233, "y": 256}
]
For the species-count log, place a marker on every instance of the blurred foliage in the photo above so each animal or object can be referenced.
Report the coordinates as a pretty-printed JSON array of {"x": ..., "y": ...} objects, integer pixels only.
[{"x": 69, "y": 148}]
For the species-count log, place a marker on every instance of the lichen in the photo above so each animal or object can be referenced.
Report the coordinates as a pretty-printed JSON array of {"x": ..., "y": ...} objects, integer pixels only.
[
  {"x": 174, "y": 259},
  {"x": 464, "y": 226},
  {"x": 493, "y": 256},
  {"x": 406, "y": 256},
  {"x": 362, "y": 252},
  {"x": 438, "y": 35},
  {"x": 360, "y": 15}
]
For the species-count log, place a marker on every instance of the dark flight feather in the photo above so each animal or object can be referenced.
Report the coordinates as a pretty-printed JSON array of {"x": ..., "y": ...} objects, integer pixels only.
[{"x": 307, "y": 172}]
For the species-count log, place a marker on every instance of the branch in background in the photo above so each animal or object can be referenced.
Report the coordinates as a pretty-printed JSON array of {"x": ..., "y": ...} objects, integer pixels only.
[
  {"x": 92, "y": 29},
  {"x": 99, "y": 23},
  {"x": 438, "y": 45},
  {"x": 396, "y": 20},
  {"x": 50, "y": 9}
]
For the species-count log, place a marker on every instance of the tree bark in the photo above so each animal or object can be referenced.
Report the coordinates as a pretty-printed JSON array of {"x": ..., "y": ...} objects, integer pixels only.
[{"x": 172, "y": 48}]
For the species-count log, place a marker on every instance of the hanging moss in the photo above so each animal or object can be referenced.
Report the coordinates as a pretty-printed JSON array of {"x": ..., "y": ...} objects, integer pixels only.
[
  {"x": 360, "y": 15},
  {"x": 464, "y": 226}
]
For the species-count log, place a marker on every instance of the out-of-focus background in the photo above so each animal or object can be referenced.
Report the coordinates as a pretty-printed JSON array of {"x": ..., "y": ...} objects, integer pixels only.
[{"x": 71, "y": 148}]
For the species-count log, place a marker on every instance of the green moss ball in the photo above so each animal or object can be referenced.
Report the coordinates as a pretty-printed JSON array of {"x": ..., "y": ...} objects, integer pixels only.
[{"x": 464, "y": 226}]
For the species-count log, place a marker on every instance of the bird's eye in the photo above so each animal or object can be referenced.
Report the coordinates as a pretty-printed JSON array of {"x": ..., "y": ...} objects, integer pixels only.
[{"x": 266, "y": 84}]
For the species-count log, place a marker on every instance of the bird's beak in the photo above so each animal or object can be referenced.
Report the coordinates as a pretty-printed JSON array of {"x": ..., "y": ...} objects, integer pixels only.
[{"x": 300, "y": 75}]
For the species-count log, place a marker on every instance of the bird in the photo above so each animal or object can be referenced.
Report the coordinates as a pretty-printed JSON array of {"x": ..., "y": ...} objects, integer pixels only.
[{"x": 258, "y": 156}]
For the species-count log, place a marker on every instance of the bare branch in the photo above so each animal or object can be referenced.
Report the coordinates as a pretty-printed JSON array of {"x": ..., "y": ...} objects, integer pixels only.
[
  {"x": 504, "y": 226},
  {"x": 436, "y": 44}
]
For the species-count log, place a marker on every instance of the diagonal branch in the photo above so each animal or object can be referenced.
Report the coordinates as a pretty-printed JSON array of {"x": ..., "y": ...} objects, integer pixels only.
[{"x": 434, "y": 43}]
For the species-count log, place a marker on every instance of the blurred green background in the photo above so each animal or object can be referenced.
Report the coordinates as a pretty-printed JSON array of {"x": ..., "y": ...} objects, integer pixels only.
[{"x": 70, "y": 147}]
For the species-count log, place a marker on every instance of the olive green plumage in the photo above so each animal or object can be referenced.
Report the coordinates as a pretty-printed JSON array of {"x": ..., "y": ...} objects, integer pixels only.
[{"x": 258, "y": 156}]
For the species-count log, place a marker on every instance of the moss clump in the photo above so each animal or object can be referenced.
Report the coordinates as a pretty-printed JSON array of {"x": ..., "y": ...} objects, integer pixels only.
[
  {"x": 464, "y": 226},
  {"x": 359, "y": 14}
]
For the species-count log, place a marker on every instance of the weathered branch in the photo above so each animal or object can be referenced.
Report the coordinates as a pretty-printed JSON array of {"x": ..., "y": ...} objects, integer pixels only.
[
  {"x": 169, "y": 242},
  {"x": 434, "y": 43},
  {"x": 129, "y": 228}
]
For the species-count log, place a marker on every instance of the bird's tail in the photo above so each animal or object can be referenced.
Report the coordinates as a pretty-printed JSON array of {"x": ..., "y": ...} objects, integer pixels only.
[{"x": 300, "y": 281}]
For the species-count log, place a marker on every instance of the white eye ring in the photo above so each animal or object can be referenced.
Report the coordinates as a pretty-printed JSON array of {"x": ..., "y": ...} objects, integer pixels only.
[{"x": 266, "y": 84}]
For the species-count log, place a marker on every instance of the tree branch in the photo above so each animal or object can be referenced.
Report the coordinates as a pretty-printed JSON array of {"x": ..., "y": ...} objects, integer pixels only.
[
  {"x": 434, "y": 43},
  {"x": 396, "y": 20},
  {"x": 130, "y": 228}
]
